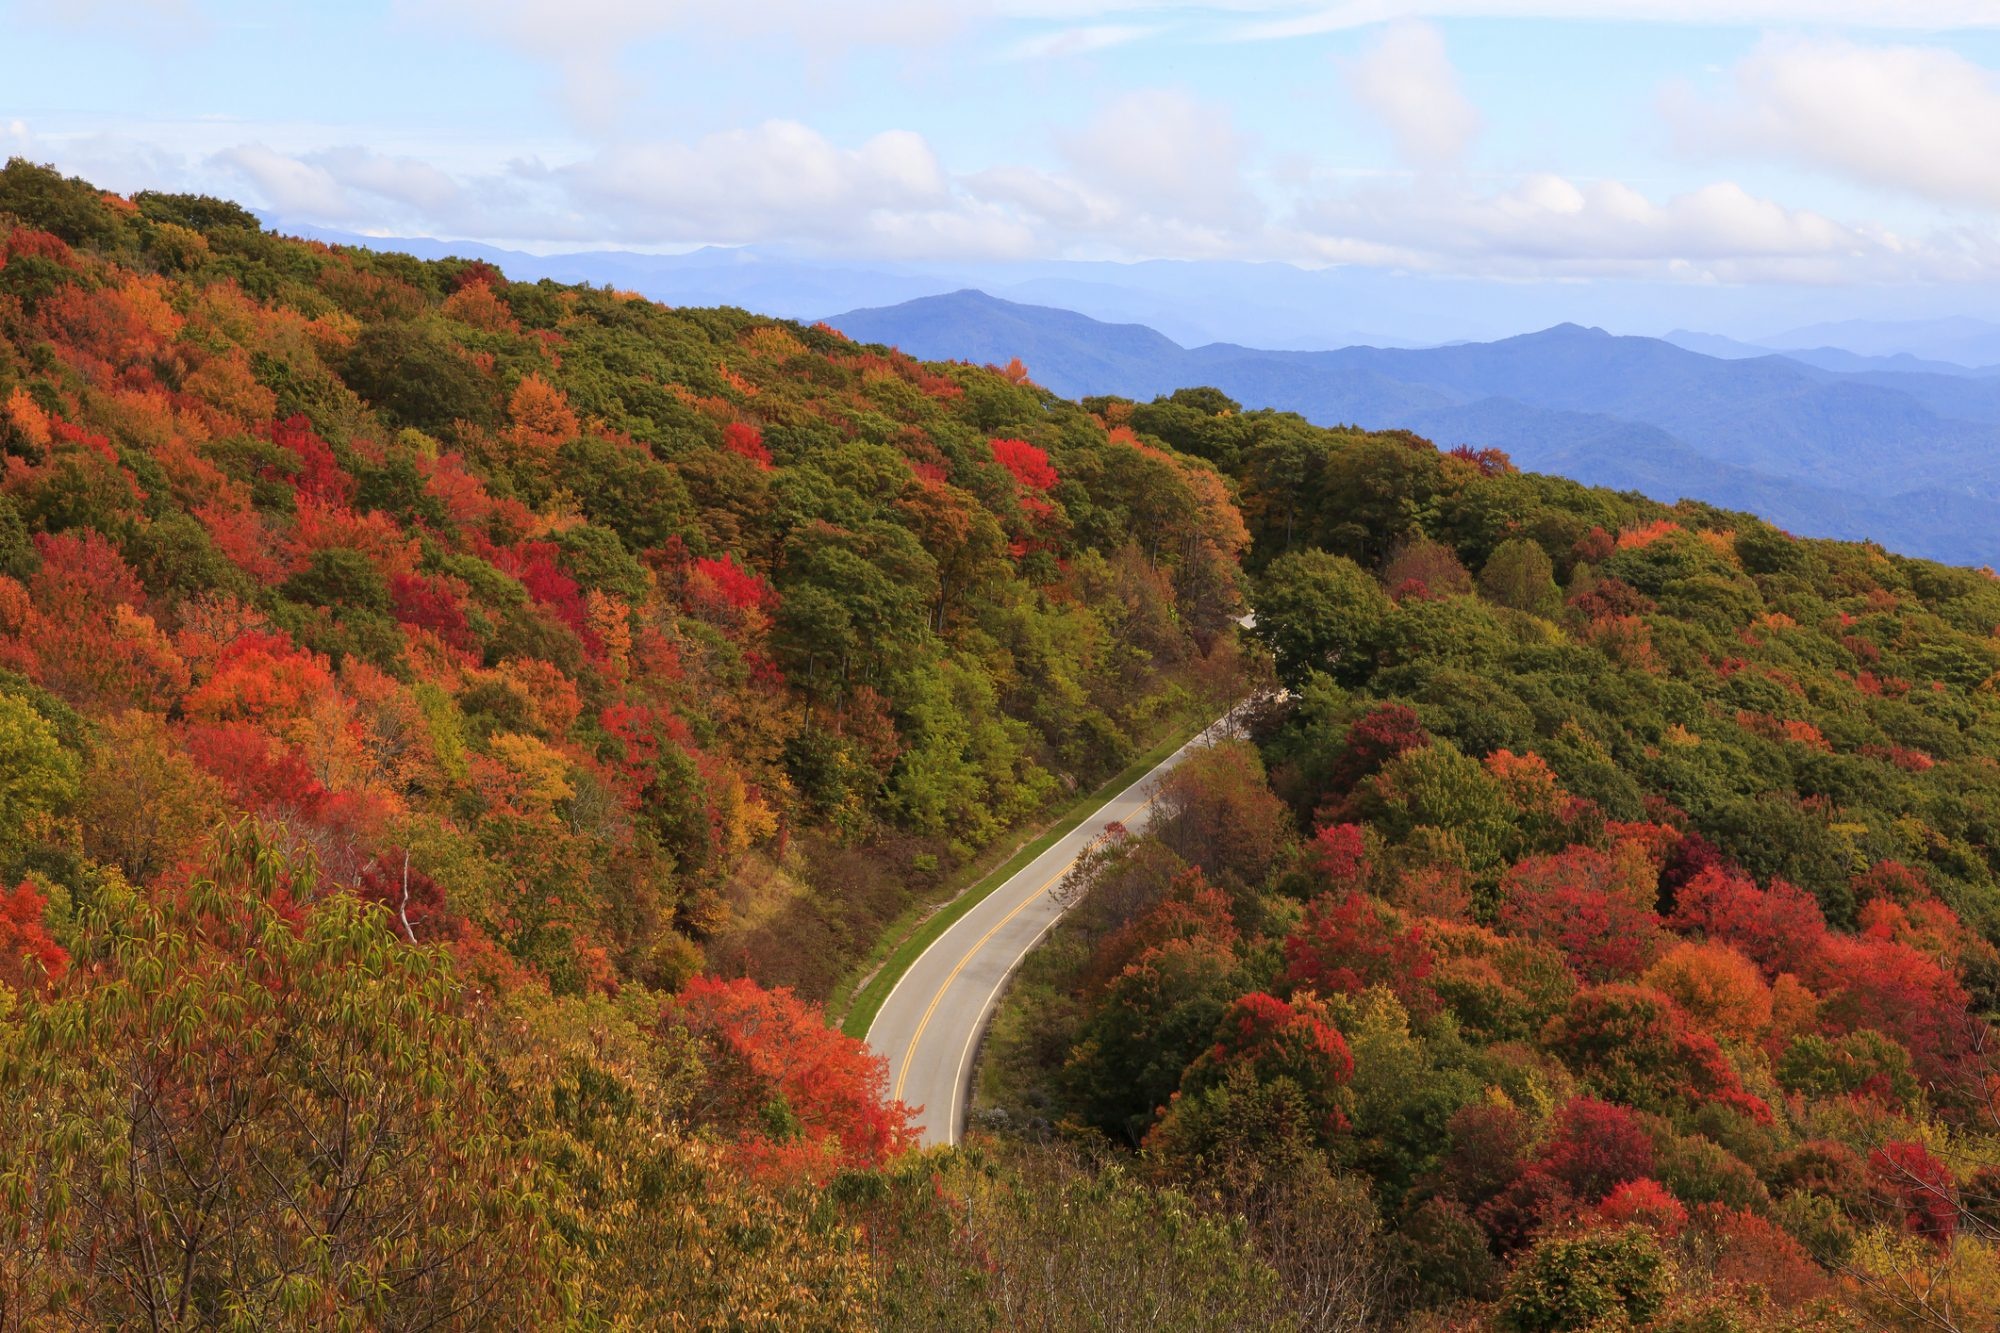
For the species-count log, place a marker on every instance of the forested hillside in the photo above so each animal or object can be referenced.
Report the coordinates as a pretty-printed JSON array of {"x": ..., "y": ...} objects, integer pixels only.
[
  {"x": 453, "y": 731},
  {"x": 433, "y": 709},
  {"x": 1600, "y": 934}
]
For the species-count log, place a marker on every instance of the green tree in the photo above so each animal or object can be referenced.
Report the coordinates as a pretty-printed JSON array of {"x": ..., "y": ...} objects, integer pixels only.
[
  {"x": 38, "y": 777},
  {"x": 419, "y": 376},
  {"x": 1520, "y": 575},
  {"x": 1320, "y": 612},
  {"x": 1616, "y": 1279}
]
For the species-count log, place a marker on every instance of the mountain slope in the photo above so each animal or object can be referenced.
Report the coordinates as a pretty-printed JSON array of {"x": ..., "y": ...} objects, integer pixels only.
[
  {"x": 971, "y": 326},
  {"x": 1912, "y": 459},
  {"x": 435, "y": 708}
]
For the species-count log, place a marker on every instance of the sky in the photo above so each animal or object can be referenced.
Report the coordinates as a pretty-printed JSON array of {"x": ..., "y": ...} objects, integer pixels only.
[{"x": 1846, "y": 146}]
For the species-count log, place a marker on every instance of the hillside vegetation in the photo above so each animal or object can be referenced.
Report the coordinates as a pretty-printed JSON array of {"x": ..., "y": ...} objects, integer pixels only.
[
  {"x": 433, "y": 709},
  {"x": 453, "y": 731},
  {"x": 1600, "y": 934}
]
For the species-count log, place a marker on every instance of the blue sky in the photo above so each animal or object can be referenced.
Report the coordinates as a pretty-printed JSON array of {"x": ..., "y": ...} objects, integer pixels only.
[{"x": 1829, "y": 143}]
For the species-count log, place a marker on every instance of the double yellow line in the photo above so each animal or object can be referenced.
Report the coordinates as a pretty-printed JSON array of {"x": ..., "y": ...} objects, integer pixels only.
[{"x": 903, "y": 1074}]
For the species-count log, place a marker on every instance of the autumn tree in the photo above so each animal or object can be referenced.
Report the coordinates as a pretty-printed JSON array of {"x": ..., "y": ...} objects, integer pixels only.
[
  {"x": 235, "y": 1111},
  {"x": 1215, "y": 811}
]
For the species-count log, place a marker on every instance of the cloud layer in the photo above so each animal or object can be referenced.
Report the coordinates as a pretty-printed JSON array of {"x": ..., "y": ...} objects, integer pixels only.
[
  {"x": 1155, "y": 174},
  {"x": 1904, "y": 118},
  {"x": 1157, "y": 171}
]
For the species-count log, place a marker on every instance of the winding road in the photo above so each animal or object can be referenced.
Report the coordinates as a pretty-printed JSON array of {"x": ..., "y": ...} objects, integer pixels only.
[{"x": 929, "y": 1027}]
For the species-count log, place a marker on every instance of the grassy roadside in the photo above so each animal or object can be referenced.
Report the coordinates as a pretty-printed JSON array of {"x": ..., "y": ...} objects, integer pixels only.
[{"x": 860, "y": 999}]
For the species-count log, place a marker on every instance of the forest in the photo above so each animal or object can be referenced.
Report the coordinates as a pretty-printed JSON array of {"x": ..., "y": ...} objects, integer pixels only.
[
  {"x": 1597, "y": 932},
  {"x": 456, "y": 734}
]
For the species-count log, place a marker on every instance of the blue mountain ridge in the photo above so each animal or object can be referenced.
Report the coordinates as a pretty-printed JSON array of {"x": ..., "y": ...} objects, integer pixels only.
[{"x": 1908, "y": 459}]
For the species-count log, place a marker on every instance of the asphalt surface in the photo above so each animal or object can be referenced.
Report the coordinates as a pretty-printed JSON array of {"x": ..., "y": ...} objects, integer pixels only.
[{"x": 929, "y": 1027}]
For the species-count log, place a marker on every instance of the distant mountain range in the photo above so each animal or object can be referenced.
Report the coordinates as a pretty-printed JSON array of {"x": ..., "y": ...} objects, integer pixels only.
[
  {"x": 1826, "y": 358},
  {"x": 1872, "y": 447},
  {"x": 1261, "y": 304},
  {"x": 1960, "y": 339}
]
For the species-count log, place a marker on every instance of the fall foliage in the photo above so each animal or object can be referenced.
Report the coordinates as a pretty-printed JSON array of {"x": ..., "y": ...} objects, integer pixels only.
[{"x": 456, "y": 734}]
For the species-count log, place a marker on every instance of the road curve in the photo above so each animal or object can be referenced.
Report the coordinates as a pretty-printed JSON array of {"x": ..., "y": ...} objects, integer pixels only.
[{"x": 929, "y": 1027}]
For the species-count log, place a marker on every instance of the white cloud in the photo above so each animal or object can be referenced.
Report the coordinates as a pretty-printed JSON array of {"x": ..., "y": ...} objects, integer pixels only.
[
  {"x": 1551, "y": 226},
  {"x": 1058, "y": 201},
  {"x": 1299, "y": 20},
  {"x": 1921, "y": 119},
  {"x": 1066, "y": 43},
  {"x": 780, "y": 177},
  {"x": 400, "y": 179},
  {"x": 360, "y": 187},
  {"x": 1407, "y": 80},
  {"x": 1142, "y": 182},
  {"x": 553, "y": 26},
  {"x": 289, "y": 184},
  {"x": 1162, "y": 152},
  {"x": 145, "y": 20}
]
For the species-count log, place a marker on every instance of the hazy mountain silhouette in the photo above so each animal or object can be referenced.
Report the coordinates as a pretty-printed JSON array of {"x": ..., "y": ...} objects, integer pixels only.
[
  {"x": 1908, "y": 459},
  {"x": 1826, "y": 358},
  {"x": 1959, "y": 339}
]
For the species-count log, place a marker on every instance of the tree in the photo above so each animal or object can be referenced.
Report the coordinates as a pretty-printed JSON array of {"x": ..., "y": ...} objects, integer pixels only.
[
  {"x": 1774, "y": 927},
  {"x": 1486, "y": 1150},
  {"x": 1519, "y": 575},
  {"x": 1384, "y": 732},
  {"x": 417, "y": 375},
  {"x": 621, "y": 486},
  {"x": 1576, "y": 1282},
  {"x": 1443, "y": 795},
  {"x": 540, "y": 417},
  {"x": 38, "y": 777},
  {"x": 66, "y": 206},
  {"x": 1028, "y": 465},
  {"x": 1155, "y": 1019},
  {"x": 1424, "y": 568},
  {"x": 1276, "y": 1039},
  {"x": 1919, "y": 1187},
  {"x": 1214, "y": 810},
  {"x": 1347, "y": 944},
  {"x": 799, "y": 1098},
  {"x": 198, "y": 212},
  {"x": 661, "y": 1227},
  {"x": 1054, "y": 1238},
  {"x": 237, "y": 1109},
  {"x": 1319, "y": 612},
  {"x": 145, "y": 803},
  {"x": 29, "y": 959},
  {"x": 1634, "y": 1046},
  {"x": 1645, "y": 1203},
  {"x": 1596, "y": 906},
  {"x": 1596, "y": 1147},
  {"x": 1717, "y": 986}
]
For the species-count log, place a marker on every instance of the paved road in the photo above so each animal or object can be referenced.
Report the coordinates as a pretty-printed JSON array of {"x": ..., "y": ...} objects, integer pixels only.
[{"x": 929, "y": 1027}]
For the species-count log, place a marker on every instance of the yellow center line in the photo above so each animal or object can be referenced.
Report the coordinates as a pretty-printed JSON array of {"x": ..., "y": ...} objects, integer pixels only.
[
  {"x": 903, "y": 1074},
  {"x": 925, "y": 1021}
]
